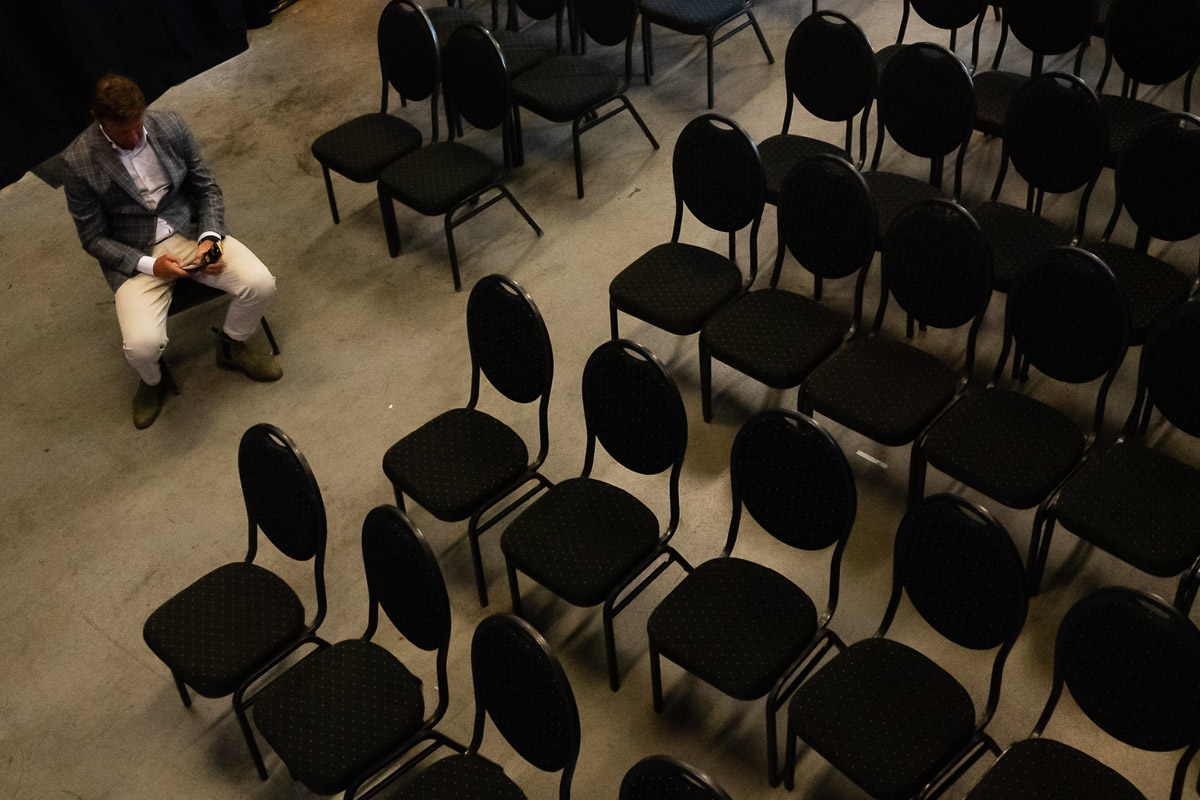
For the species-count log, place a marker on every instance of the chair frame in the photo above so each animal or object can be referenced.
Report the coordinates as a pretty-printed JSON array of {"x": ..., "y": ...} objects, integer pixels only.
[
  {"x": 684, "y": 771},
  {"x": 979, "y": 18}
]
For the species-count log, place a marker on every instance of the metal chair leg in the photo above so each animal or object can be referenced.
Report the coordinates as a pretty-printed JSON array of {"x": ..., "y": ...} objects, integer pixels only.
[
  {"x": 610, "y": 646},
  {"x": 239, "y": 711},
  {"x": 520, "y": 210},
  {"x": 388, "y": 210},
  {"x": 181, "y": 687},
  {"x": 514, "y": 589},
  {"x": 612, "y": 320},
  {"x": 477, "y": 563},
  {"x": 270, "y": 336},
  {"x": 329, "y": 191},
  {"x": 453, "y": 252},
  {"x": 656, "y": 678},
  {"x": 709, "y": 40},
  {"x": 705, "y": 382},
  {"x": 578, "y": 159}
]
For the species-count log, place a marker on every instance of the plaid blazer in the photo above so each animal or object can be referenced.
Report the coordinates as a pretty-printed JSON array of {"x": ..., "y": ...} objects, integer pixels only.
[{"x": 113, "y": 223}]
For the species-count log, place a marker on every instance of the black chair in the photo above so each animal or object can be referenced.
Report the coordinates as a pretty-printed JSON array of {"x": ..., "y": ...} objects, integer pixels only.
[
  {"x": 697, "y": 18},
  {"x": 827, "y": 221},
  {"x": 1055, "y": 137},
  {"x": 408, "y": 56},
  {"x": 938, "y": 268},
  {"x": 464, "y": 462},
  {"x": 946, "y": 15},
  {"x": 926, "y": 103},
  {"x": 1066, "y": 314},
  {"x": 1153, "y": 44},
  {"x": 1156, "y": 182},
  {"x": 525, "y": 49},
  {"x": 893, "y": 721},
  {"x": 677, "y": 287},
  {"x": 570, "y": 88},
  {"x": 231, "y": 627},
  {"x": 740, "y": 626},
  {"x": 444, "y": 177},
  {"x": 520, "y": 684},
  {"x": 1134, "y": 501},
  {"x": 667, "y": 778},
  {"x": 830, "y": 69},
  {"x": 1132, "y": 665},
  {"x": 343, "y": 716},
  {"x": 587, "y": 540}
]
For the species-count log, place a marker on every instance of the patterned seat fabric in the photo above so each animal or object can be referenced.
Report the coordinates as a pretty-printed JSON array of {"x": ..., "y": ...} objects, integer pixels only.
[
  {"x": 782, "y": 152},
  {"x": 563, "y": 87},
  {"x": 447, "y": 19},
  {"x": 433, "y": 179},
  {"x": 580, "y": 538},
  {"x": 884, "y": 715},
  {"x": 892, "y": 193},
  {"x": 1043, "y": 769},
  {"x": 521, "y": 51},
  {"x": 1138, "y": 504},
  {"x": 1153, "y": 287},
  {"x": 1124, "y": 115},
  {"x": 460, "y": 777},
  {"x": 994, "y": 92},
  {"x": 339, "y": 711},
  {"x": 773, "y": 336},
  {"x": 695, "y": 17},
  {"x": 883, "y": 389},
  {"x": 454, "y": 462},
  {"x": 735, "y": 624},
  {"x": 217, "y": 631},
  {"x": 1016, "y": 236},
  {"x": 1006, "y": 445},
  {"x": 361, "y": 148},
  {"x": 676, "y": 286}
]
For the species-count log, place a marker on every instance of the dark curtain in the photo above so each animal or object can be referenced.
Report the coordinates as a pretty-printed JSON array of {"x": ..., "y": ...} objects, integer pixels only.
[{"x": 51, "y": 51}]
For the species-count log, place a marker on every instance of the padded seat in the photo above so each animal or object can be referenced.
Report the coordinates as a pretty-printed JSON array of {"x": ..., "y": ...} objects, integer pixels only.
[
  {"x": 521, "y": 51},
  {"x": 1016, "y": 236},
  {"x": 453, "y": 463},
  {"x": 580, "y": 539},
  {"x": 892, "y": 193},
  {"x": 1037, "y": 768},
  {"x": 884, "y": 715},
  {"x": 560, "y": 88},
  {"x": 460, "y": 777},
  {"x": 782, "y": 152},
  {"x": 692, "y": 17},
  {"x": 676, "y": 286},
  {"x": 994, "y": 93},
  {"x": 1125, "y": 116},
  {"x": 433, "y": 179},
  {"x": 215, "y": 633},
  {"x": 1138, "y": 504},
  {"x": 326, "y": 737},
  {"x": 1152, "y": 287},
  {"x": 885, "y": 390},
  {"x": 361, "y": 148},
  {"x": 734, "y": 624},
  {"x": 774, "y": 336},
  {"x": 1006, "y": 445}
]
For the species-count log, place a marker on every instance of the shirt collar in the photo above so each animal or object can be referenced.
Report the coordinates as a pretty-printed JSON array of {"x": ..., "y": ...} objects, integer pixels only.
[{"x": 120, "y": 150}]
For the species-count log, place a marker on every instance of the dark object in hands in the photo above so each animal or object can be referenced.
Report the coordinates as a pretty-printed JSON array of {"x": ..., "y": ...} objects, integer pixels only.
[{"x": 210, "y": 256}]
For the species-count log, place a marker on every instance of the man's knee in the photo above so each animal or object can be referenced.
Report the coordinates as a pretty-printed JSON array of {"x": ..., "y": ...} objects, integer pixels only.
[
  {"x": 258, "y": 286},
  {"x": 145, "y": 349}
]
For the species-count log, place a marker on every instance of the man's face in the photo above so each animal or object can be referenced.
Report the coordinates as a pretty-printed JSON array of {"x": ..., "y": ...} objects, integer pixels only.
[{"x": 125, "y": 135}]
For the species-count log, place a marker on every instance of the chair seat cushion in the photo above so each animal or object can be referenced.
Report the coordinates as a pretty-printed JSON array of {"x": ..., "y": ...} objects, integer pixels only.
[
  {"x": 563, "y": 87},
  {"x": 1037, "y": 768},
  {"x": 435, "y": 178},
  {"x": 676, "y": 286},
  {"x": 223, "y": 627},
  {"x": 690, "y": 16},
  {"x": 892, "y": 193},
  {"x": 460, "y": 777},
  {"x": 361, "y": 148},
  {"x": 773, "y": 336},
  {"x": 782, "y": 152},
  {"x": 1152, "y": 287},
  {"x": 339, "y": 711},
  {"x": 580, "y": 539},
  {"x": 1125, "y": 115},
  {"x": 1138, "y": 504},
  {"x": 994, "y": 92},
  {"x": 1009, "y": 446},
  {"x": 456, "y": 461},
  {"x": 521, "y": 51},
  {"x": 886, "y": 390},
  {"x": 447, "y": 19},
  {"x": 884, "y": 715},
  {"x": 1016, "y": 236},
  {"x": 189, "y": 294},
  {"x": 735, "y": 624}
]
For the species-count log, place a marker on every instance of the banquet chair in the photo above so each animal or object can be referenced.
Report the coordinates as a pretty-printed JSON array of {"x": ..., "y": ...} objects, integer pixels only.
[{"x": 668, "y": 778}]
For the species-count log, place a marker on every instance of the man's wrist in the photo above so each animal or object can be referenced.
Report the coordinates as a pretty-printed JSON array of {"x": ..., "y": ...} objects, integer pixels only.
[
  {"x": 211, "y": 236},
  {"x": 146, "y": 264}
]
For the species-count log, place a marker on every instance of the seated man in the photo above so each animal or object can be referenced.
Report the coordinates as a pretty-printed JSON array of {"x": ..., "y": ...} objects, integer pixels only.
[{"x": 146, "y": 206}]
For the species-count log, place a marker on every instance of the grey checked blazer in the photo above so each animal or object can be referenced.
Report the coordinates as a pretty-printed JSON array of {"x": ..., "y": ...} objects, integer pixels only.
[{"x": 113, "y": 223}]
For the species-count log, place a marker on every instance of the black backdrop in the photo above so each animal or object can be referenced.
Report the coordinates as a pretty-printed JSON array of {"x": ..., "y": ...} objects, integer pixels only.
[{"x": 52, "y": 50}]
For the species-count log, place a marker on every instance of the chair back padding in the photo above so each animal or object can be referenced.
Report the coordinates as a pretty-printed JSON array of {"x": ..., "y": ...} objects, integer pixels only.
[
  {"x": 281, "y": 493},
  {"x": 830, "y": 67},
  {"x": 404, "y": 578},
  {"x": 826, "y": 216},
  {"x": 508, "y": 339},
  {"x": 1154, "y": 41},
  {"x": 522, "y": 687},
  {"x": 632, "y": 406},
  {"x": 1050, "y": 28},
  {"x": 926, "y": 100},
  {"x": 1158, "y": 174},
  {"x": 607, "y": 22},
  {"x": 1132, "y": 664},
  {"x": 948, "y": 14},
  {"x": 1068, "y": 315},
  {"x": 476, "y": 77},
  {"x": 793, "y": 479},
  {"x": 961, "y": 572},
  {"x": 408, "y": 50},
  {"x": 1171, "y": 367},
  {"x": 718, "y": 174},
  {"x": 937, "y": 265},
  {"x": 538, "y": 9},
  {"x": 1055, "y": 133},
  {"x": 667, "y": 778}
]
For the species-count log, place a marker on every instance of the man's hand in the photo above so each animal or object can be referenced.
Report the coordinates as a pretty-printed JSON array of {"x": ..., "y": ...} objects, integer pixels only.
[
  {"x": 168, "y": 267},
  {"x": 213, "y": 268}
]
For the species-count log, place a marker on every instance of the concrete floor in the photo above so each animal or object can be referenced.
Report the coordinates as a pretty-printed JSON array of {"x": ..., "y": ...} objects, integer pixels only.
[{"x": 102, "y": 523}]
